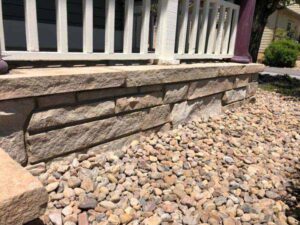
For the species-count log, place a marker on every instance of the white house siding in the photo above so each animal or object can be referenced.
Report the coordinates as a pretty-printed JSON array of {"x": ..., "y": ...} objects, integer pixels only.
[
  {"x": 280, "y": 20},
  {"x": 268, "y": 32}
]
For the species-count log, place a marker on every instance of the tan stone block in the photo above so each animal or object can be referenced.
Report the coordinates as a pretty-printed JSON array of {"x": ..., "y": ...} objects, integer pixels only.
[
  {"x": 138, "y": 102},
  {"x": 13, "y": 144},
  {"x": 115, "y": 144},
  {"x": 156, "y": 116},
  {"x": 22, "y": 197},
  {"x": 47, "y": 81},
  {"x": 60, "y": 116},
  {"x": 242, "y": 80},
  {"x": 13, "y": 117},
  {"x": 176, "y": 93},
  {"x": 202, "y": 107},
  {"x": 210, "y": 86},
  {"x": 105, "y": 93},
  {"x": 251, "y": 89},
  {"x": 56, "y": 100},
  {"x": 171, "y": 74},
  {"x": 254, "y": 68},
  {"x": 234, "y": 96},
  {"x": 57, "y": 142}
]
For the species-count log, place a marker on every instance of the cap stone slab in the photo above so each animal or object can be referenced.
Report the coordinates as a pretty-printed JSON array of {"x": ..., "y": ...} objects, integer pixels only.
[{"x": 22, "y": 197}]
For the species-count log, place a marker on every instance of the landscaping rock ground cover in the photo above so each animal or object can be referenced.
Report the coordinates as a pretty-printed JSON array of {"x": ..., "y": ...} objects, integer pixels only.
[{"x": 238, "y": 168}]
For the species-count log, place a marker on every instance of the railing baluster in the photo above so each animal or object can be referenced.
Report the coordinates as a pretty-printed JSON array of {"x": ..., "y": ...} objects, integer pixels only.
[
  {"x": 212, "y": 33},
  {"x": 128, "y": 26},
  {"x": 203, "y": 27},
  {"x": 220, "y": 30},
  {"x": 145, "y": 26},
  {"x": 234, "y": 30},
  {"x": 227, "y": 31},
  {"x": 194, "y": 28},
  {"x": 88, "y": 26},
  {"x": 31, "y": 25},
  {"x": 2, "y": 37},
  {"x": 62, "y": 26},
  {"x": 110, "y": 27},
  {"x": 183, "y": 22}
]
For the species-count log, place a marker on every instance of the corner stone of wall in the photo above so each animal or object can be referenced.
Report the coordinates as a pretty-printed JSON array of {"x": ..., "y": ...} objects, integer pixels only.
[
  {"x": 46, "y": 117},
  {"x": 22, "y": 197}
]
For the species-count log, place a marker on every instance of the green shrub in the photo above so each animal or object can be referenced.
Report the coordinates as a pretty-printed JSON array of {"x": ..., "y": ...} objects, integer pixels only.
[{"x": 282, "y": 53}]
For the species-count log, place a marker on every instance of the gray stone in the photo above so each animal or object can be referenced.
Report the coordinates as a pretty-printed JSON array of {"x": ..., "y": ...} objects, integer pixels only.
[
  {"x": 242, "y": 80},
  {"x": 46, "y": 81},
  {"x": 156, "y": 116},
  {"x": 13, "y": 116},
  {"x": 138, "y": 102},
  {"x": 55, "y": 117},
  {"x": 228, "y": 159},
  {"x": 88, "y": 203},
  {"x": 106, "y": 93},
  {"x": 251, "y": 89},
  {"x": 53, "y": 143},
  {"x": 208, "y": 87},
  {"x": 234, "y": 96},
  {"x": 203, "y": 107},
  {"x": 175, "y": 93},
  {"x": 56, "y": 100}
]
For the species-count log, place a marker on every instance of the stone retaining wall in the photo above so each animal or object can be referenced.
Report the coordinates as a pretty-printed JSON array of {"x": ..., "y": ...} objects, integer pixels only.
[{"x": 47, "y": 113}]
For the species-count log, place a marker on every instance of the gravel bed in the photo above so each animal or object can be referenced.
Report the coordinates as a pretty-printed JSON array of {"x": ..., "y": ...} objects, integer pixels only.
[{"x": 238, "y": 168}]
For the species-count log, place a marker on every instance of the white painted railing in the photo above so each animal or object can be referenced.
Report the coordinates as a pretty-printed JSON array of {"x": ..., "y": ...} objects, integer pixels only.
[{"x": 186, "y": 29}]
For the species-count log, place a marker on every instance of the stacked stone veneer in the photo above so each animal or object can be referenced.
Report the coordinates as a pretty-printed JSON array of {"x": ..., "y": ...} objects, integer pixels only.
[{"x": 46, "y": 113}]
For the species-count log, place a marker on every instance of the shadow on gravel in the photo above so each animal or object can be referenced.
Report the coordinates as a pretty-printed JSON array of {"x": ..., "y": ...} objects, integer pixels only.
[
  {"x": 285, "y": 85},
  {"x": 293, "y": 201}
]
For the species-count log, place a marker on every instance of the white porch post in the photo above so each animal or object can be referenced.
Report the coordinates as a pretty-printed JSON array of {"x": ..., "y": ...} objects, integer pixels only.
[{"x": 167, "y": 31}]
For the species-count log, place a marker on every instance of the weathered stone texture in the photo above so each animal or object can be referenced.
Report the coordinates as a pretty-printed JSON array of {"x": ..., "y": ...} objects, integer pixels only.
[
  {"x": 208, "y": 87},
  {"x": 16, "y": 86},
  {"x": 175, "y": 93},
  {"x": 22, "y": 197},
  {"x": 106, "y": 93},
  {"x": 242, "y": 80},
  {"x": 234, "y": 96},
  {"x": 251, "y": 89},
  {"x": 60, "y": 116},
  {"x": 53, "y": 143},
  {"x": 114, "y": 145},
  {"x": 151, "y": 77},
  {"x": 13, "y": 116},
  {"x": 203, "y": 107},
  {"x": 156, "y": 117},
  {"x": 138, "y": 102}
]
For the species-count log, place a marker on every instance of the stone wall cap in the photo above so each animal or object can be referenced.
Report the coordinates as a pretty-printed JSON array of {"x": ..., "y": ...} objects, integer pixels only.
[{"x": 21, "y": 83}]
